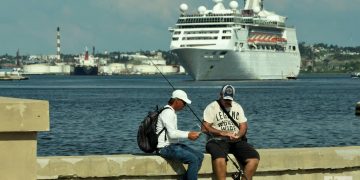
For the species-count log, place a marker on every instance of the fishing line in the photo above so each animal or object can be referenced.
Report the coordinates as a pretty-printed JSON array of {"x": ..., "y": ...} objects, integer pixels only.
[{"x": 242, "y": 174}]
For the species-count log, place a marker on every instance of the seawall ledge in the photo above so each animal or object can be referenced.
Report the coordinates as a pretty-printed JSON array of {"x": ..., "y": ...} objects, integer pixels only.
[
  {"x": 290, "y": 163},
  {"x": 24, "y": 115}
]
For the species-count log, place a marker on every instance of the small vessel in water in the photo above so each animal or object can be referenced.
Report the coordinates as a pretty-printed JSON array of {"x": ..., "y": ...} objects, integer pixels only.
[
  {"x": 355, "y": 75},
  {"x": 13, "y": 74},
  {"x": 86, "y": 65},
  {"x": 232, "y": 44}
]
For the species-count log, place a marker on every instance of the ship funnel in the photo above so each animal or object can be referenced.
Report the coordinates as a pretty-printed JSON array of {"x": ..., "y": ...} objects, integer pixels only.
[
  {"x": 86, "y": 54},
  {"x": 255, "y": 5}
]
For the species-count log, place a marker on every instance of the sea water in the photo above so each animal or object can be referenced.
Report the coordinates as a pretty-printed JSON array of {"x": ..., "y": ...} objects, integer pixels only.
[{"x": 100, "y": 114}]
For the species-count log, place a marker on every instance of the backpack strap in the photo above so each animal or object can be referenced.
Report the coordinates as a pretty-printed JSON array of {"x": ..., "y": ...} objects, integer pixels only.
[
  {"x": 228, "y": 114},
  {"x": 164, "y": 129},
  {"x": 244, "y": 138}
]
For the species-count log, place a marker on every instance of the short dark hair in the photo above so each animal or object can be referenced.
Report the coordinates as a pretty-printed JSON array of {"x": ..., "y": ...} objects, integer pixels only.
[{"x": 171, "y": 101}]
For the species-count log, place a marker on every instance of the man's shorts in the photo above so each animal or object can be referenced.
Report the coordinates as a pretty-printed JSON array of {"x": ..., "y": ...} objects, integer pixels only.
[{"x": 241, "y": 150}]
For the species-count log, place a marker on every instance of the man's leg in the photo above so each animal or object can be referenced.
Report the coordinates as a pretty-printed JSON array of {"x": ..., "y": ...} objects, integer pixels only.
[
  {"x": 180, "y": 152},
  {"x": 199, "y": 155},
  {"x": 218, "y": 150},
  {"x": 250, "y": 167},
  {"x": 219, "y": 168},
  {"x": 247, "y": 156}
]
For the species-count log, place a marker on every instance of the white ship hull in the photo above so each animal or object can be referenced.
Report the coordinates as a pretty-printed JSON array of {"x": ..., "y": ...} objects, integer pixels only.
[{"x": 204, "y": 64}]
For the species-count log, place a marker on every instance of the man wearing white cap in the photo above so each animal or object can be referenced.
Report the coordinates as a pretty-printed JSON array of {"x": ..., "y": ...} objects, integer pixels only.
[
  {"x": 168, "y": 143},
  {"x": 228, "y": 135}
]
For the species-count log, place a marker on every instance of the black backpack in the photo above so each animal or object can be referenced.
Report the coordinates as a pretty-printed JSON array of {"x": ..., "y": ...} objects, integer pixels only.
[{"x": 147, "y": 138}]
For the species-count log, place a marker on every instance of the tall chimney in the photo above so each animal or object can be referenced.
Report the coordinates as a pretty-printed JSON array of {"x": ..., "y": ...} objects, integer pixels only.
[
  {"x": 58, "y": 45},
  {"x": 18, "y": 61}
]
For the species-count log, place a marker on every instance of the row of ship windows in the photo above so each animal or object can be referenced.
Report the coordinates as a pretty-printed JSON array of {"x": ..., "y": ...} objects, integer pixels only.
[
  {"x": 210, "y": 14},
  {"x": 205, "y": 26},
  {"x": 270, "y": 47},
  {"x": 201, "y": 38},
  {"x": 221, "y": 19},
  {"x": 205, "y": 20},
  {"x": 262, "y": 47},
  {"x": 202, "y": 32}
]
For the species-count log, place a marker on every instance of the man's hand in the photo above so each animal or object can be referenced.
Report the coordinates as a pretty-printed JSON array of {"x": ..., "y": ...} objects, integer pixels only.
[
  {"x": 193, "y": 135},
  {"x": 230, "y": 135},
  {"x": 235, "y": 136}
]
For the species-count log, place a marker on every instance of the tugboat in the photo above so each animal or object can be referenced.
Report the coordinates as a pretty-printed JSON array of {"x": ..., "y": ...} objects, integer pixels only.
[
  {"x": 355, "y": 75},
  {"x": 15, "y": 74},
  {"x": 86, "y": 65}
]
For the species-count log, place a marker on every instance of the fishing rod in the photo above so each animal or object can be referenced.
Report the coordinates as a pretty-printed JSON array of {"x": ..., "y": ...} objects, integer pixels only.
[{"x": 235, "y": 176}]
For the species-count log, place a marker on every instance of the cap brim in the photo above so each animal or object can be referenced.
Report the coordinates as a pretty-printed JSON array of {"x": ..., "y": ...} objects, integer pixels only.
[
  {"x": 188, "y": 101},
  {"x": 228, "y": 98}
]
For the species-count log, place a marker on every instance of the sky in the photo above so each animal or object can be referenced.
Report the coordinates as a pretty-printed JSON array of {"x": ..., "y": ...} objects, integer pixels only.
[{"x": 133, "y": 25}]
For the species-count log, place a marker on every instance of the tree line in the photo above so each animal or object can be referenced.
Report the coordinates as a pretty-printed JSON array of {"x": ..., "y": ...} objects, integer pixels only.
[{"x": 326, "y": 58}]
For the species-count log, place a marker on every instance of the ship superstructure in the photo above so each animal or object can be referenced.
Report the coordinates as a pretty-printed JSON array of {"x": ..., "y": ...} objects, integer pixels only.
[
  {"x": 233, "y": 44},
  {"x": 86, "y": 64}
]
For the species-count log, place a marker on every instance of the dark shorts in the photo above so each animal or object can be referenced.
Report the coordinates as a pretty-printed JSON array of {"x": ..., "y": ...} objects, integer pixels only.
[{"x": 241, "y": 150}]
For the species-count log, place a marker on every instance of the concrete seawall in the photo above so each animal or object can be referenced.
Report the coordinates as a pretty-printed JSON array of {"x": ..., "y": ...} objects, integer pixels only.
[
  {"x": 21, "y": 119},
  {"x": 341, "y": 163}
]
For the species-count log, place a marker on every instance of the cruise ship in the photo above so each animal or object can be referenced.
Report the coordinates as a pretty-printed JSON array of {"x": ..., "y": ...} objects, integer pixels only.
[
  {"x": 86, "y": 65},
  {"x": 235, "y": 44}
]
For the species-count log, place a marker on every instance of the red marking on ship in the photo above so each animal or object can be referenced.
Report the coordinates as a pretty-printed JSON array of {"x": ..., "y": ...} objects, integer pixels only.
[{"x": 86, "y": 55}]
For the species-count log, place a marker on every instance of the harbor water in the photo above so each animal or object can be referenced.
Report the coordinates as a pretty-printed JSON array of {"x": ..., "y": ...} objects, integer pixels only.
[{"x": 100, "y": 114}]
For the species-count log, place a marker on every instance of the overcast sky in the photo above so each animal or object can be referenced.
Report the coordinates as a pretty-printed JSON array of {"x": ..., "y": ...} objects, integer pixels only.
[{"x": 132, "y": 25}]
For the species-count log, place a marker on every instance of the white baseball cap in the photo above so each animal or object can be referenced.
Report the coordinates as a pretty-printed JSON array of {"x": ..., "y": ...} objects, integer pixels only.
[{"x": 180, "y": 94}]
